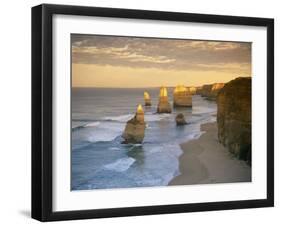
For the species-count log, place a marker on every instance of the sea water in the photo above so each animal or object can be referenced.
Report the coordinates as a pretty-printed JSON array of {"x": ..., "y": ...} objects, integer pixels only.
[{"x": 99, "y": 160}]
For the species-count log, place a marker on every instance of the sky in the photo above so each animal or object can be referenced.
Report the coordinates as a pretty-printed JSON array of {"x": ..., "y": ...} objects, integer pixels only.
[{"x": 129, "y": 62}]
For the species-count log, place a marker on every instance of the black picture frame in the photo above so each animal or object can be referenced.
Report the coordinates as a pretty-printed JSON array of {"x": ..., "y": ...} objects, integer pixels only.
[{"x": 42, "y": 107}]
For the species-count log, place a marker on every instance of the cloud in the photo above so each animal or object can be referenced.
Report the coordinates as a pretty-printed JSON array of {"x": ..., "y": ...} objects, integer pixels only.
[{"x": 171, "y": 54}]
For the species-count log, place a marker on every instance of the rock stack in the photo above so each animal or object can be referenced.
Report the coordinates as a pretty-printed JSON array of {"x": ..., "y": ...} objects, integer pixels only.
[
  {"x": 180, "y": 120},
  {"x": 135, "y": 128},
  {"x": 234, "y": 117},
  {"x": 182, "y": 97},
  {"x": 147, "y": 100},
  {"x": 192, "y": 90},
  {"x": 163, "y": 104},
  {"x": 199, "y": 90}
]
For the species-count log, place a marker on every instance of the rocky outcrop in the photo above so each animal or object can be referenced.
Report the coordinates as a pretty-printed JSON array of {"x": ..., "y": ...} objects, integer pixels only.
[
  {"x": 206, "y": 90},
  {"x": 147, "y": 100},
  {"x": 216, "y": 87},
  {"x": 163, "y": 104},
  {"x": 182, "y": 97},
  {"x": 192, "y": 90},
  {"x": 180, "y": 120},
  {"x": 234, "y": 117},
  {"x": 199, "y": 90},
  {"x": 211, "y": 91},
  {"x": 135, "y": 128}
]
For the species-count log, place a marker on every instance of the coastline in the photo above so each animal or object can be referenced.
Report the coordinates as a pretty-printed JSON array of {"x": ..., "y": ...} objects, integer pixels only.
[{"x": 206, "y": 161}]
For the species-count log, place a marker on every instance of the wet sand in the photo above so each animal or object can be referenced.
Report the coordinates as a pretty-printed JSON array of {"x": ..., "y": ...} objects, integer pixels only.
[{"x": 206, "y": 161}]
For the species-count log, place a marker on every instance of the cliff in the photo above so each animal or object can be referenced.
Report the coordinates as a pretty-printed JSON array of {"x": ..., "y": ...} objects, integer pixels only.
[
  {"x": 135, "y": 128},
  {"x": 206, "y": 90},
  {"x": 211, "y": 91},
  {"x": 163, "y": 103},
  {"x": 234, "y": 117},
  {"x": 182, "y": 97},
  {"x": 192, "y": 90}
]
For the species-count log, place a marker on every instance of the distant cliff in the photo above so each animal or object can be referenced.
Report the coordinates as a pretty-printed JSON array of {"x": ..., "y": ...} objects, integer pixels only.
[
  {"x": 216, "y": 87},
  {"x": 234, "y": 117},
  {"x": 192, "y": 90},
  {"x": 206, "y": 90},
  {"x": 211, "y": 91}
]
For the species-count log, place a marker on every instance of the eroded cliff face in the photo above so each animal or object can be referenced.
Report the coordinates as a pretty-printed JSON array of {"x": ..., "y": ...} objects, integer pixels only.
[
  {"x": 135, "y": 128},
  {"x": 192, "y": 90},
  {"x": 211, "y": 91},
  {"x": 234, "y": 117},
  {"x": 216, "y": 87},
  {"x": 206, "y": 89}
]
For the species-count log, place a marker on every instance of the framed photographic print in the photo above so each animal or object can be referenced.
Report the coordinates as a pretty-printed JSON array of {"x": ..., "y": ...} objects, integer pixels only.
[{"x": 145, "y": 112}]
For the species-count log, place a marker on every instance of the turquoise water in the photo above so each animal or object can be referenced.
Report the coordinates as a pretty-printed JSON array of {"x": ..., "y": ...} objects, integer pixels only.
[{"x": 100, "y": 161}]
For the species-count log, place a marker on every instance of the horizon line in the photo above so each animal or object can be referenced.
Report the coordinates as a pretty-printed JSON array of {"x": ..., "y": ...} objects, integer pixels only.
[
  {"x": 114, "y": 87},
  {"x": 149, "y": 87}
]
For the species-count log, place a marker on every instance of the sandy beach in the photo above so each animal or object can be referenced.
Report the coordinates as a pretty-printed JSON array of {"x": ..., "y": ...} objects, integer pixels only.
[{"x": 206, "y": 161}]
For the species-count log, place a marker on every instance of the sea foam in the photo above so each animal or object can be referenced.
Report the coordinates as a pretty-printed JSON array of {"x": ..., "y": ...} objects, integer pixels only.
[
  {"x": 120, "y": 118},
  {"x": 120, "y": 165},
  {"x": 105, "y": 131},
  {"x": 92, "y": 124}
]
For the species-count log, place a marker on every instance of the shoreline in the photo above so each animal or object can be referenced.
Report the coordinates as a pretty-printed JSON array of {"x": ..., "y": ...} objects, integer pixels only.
[{"x": 206, "y": 161}]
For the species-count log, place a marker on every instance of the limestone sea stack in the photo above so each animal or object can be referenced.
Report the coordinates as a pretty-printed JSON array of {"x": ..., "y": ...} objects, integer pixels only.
[
  {"x": 182, "y": 97},
  {"x": 180, "y": 120},
  {"x": 163, "y": 104},
  {"x": 135, "y": 128},
  {"x": 234, "y": 117},
  {"x": 147, "y": 100},
  {"x": 192, "y": 90},
  {"x": 199, "y": 90}
]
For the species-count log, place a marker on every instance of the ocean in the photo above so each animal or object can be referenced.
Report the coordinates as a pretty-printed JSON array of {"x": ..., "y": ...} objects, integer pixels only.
[{"x": 99, "y": 160}]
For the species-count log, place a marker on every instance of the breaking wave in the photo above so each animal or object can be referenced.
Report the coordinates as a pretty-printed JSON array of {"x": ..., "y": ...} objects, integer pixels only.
[{"x": 120, "y": 165}]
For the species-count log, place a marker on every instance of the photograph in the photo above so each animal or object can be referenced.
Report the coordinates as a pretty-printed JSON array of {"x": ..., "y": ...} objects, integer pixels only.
[
  {"x": 148, "y": 111},
  {"x": 145, "y": 112}
]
